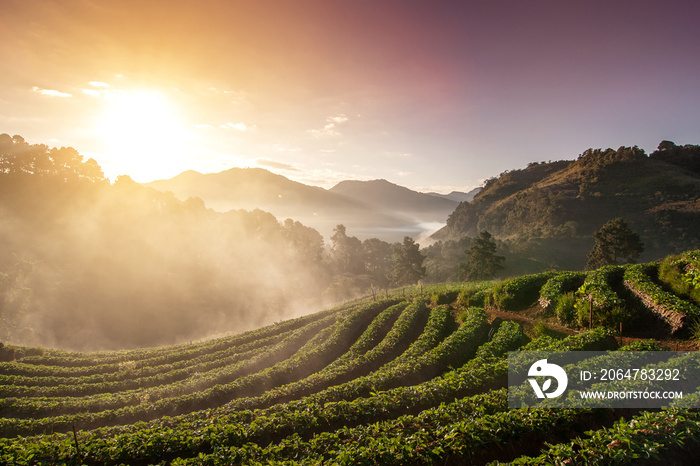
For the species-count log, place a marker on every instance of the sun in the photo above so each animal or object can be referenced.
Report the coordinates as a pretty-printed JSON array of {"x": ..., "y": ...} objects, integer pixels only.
[{"x": 142, "y": 134}]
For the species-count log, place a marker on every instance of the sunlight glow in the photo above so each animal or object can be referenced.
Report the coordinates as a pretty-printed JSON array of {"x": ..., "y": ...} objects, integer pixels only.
[{"x": 142, "y": 134}]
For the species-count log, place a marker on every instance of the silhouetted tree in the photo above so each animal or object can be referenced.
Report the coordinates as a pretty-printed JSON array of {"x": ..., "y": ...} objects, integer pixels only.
[
  {"x": 307, "y": 242},
  {"x": 378, "y": 261},
  {"x": 482, "y": 261},
  {"x": 346, "y": 252},
  {"x": 408, "y": 263},
  {"x": 614, "y": 242}
]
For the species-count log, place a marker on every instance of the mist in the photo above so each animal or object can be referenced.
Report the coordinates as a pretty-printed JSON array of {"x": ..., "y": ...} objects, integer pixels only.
[{"x": 113, "y": 266}]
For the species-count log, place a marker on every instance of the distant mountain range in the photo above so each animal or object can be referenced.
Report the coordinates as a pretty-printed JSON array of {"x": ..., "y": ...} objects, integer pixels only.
[{"x": 374, "y": 208}]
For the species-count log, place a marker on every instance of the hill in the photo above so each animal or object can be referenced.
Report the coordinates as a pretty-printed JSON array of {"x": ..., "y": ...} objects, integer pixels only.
[
  {"x": 416, "y": 377},
  {"x": 567, "y": 201},
  {"x": 390, "y": 197},
  {"x": 459, "y": 196},
  {"x": 368, "y": 209}
]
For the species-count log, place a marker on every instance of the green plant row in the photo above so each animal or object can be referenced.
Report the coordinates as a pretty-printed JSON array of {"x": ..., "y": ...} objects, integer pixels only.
[
  {"x": 673, "y": 310},
  {"x": 597, "y": 288},
  {"x": 466, "y": 430},
  {"x": 55, "y": 361},
  {"x": 151, "y": 403},
  {"x": 692, "y": 269},
  {"x": 303, "y": 416},
  {"x": 123, "y": 378},
  {"x": 315, "y": 414},
  {"x": 355, "y": 362},
  {"x": 559, "y": 284},
  {"x": 475, "y": 294},
  {"x": 42, "y": 407},
  {"x": 315, "y": 354},
  {"x": 194, "y": 433},
  {"x": 179, "y": 371},
  {"x": 669, "y": 436},
  {"x": 518, "y": 293}
]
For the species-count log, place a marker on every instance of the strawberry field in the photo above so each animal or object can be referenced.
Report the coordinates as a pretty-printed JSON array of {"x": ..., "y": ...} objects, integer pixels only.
[{"x": 416, "y": 378}]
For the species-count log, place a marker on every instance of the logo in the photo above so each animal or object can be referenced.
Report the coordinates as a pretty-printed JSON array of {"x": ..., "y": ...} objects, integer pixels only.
[{"x": 542, "y": 368}]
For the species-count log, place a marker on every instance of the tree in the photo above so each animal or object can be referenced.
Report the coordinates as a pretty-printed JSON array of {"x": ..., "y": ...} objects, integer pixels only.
[
  {"x": 482, "y": 261},
  {"x": 408, "y": 263},
  {"x": 614, "y": 242},
  {"x": 378, "y": 261},
  {"x": 346, "y": 252}
]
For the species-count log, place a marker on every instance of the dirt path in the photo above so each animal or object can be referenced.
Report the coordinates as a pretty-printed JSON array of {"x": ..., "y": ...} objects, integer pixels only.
[{"x": 528, "y": 319}]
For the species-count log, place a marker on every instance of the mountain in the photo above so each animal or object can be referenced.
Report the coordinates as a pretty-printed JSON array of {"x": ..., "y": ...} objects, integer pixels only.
[
  {"x": 459, "y": 196},
  {"x": 565, "y": 202},
  {"x": 390, "y": 197},
  {"x": 368, "y": 209}
]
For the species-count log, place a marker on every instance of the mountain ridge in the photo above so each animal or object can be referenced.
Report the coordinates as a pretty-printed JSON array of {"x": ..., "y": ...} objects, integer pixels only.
[{"x": 376, "y": 208}]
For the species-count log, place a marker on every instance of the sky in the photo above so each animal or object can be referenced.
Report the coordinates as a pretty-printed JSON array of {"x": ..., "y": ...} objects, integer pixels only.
[{"x": 432, "y": 95}]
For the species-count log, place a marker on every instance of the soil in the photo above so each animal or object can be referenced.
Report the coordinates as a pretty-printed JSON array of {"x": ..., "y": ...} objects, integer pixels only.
[{"x": 535, "y": 314}]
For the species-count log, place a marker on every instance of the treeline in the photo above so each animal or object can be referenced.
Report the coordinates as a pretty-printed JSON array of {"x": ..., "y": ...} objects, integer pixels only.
[{"x": 87, "y": 264}]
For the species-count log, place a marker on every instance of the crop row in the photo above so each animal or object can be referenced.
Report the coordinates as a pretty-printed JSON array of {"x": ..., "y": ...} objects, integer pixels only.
[
  {"x": 518, "y": 293},
  {"x": 264, "y": 371},
  {"x": 51, "y": 406},
  {"x": 668, "y": 436},
  {"x": 673, "y": 310},
  {"x": 59, "y": 363},
  {"x": 193, "y": 434},
  {"x": 559, "y": 284},
  {"x": 128, "y": 379},
  {"x": 310, "y": 359},
  {"x": 477, "y": 375},
  {"x": 85, "y": 363},
  {"x": 302, "y": 415}
]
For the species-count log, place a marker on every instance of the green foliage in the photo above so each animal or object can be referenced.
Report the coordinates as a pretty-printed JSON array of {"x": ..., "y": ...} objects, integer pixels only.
[
  {"x": 482, "y": 261},
  {"x": 408, "y": 263},
  {"x": 566, "y": 308},
  {"x": 608, "y": 308},
  {"x": 559, "y": 284},
  {"x": 614, "y": 242},
  {"x": 644, "y": 345},
  {"x": 518, "y": 293},
  {"x": 669, "y": 307},
  {"x": 681, "y": 273}
]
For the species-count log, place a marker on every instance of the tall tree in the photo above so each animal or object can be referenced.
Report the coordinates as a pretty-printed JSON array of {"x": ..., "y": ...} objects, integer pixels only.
[
  {"x": 408, "y": 263},
  {"x": 482, "y": 261},
  {"x": 346, "y": 252},
  {"x": 614, "y": 242},
  {"x": 378, "y": 260}
]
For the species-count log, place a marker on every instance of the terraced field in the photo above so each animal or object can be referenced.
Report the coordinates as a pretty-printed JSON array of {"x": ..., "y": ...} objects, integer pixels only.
[{"x": 416, "y": 378}]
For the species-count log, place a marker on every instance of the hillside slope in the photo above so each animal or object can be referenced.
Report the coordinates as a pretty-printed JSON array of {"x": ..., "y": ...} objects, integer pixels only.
[
  {"x": 573, "y": 199},
  {"x": 418, "y": 377}
]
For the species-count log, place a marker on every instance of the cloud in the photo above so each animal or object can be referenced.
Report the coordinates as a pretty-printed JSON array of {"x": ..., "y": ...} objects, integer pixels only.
[
  {"x": 237, "y": 126},
  {"x": 51, "y": 92},
  {"x": 98, "y": 84},
  {"x": 275, "y": 164},
  {"x": 330, "y": 128}
]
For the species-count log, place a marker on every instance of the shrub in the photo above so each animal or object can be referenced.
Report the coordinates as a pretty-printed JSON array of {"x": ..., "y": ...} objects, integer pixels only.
[{"x": 566, "y": 308}]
